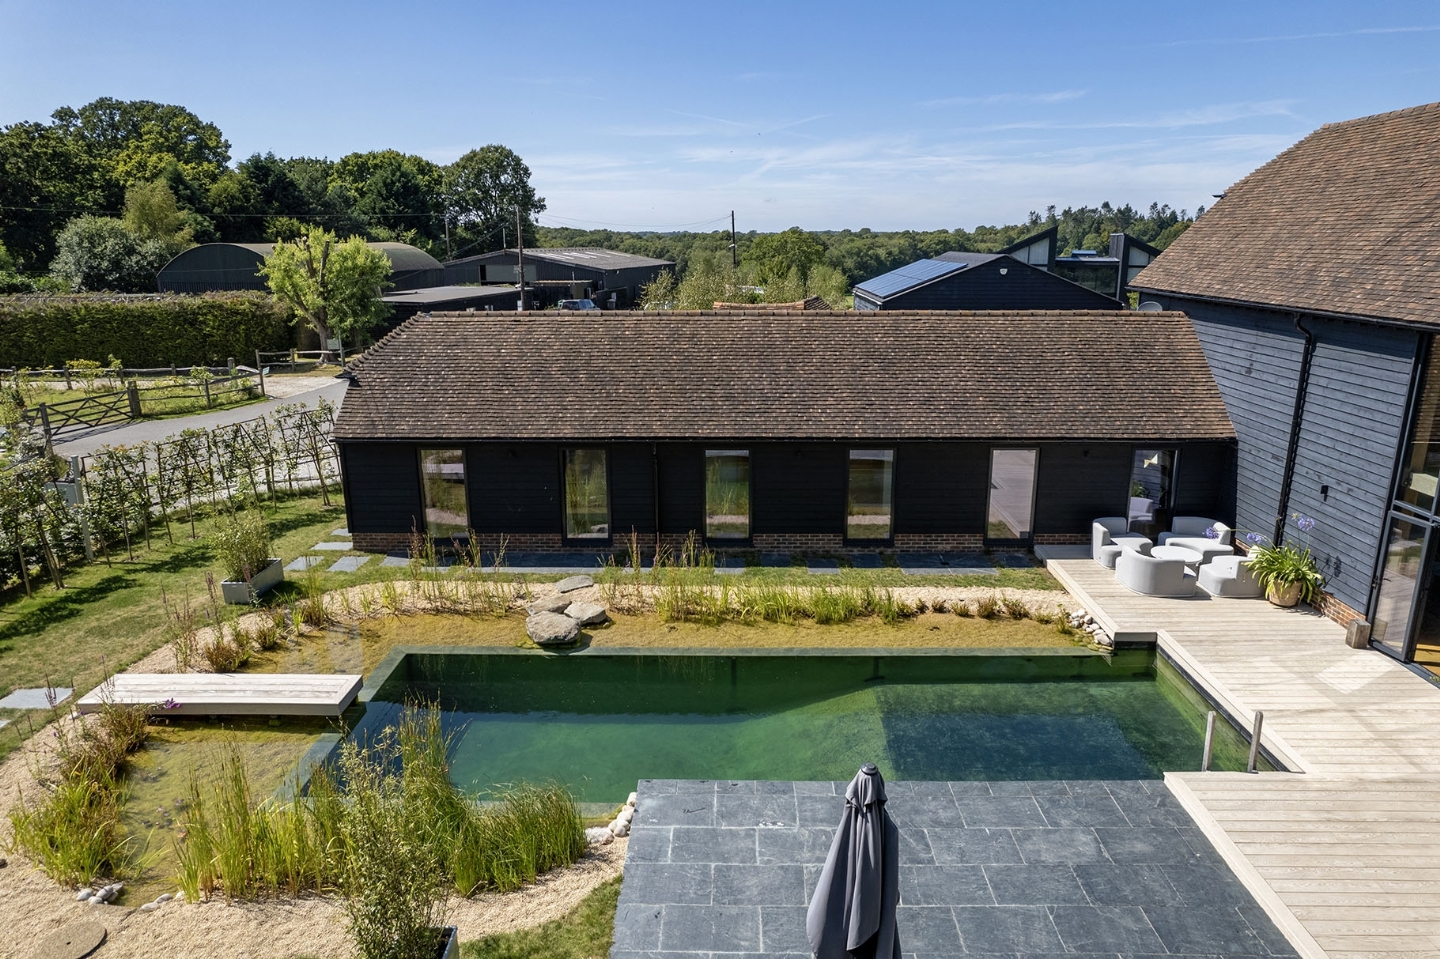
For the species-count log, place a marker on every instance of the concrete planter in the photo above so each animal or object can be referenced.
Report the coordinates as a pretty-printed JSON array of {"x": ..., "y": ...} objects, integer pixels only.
[
  {"x": 241, "y": 593},
  {"x": 449, "y": 943}
]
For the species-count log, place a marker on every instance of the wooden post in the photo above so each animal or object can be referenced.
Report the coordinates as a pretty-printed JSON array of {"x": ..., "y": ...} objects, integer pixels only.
[
  {"x": 68, "y": 387},
  {"x": 45, "y": 425},
  {"x": 231, "y": 362},
  {"x": 132, "y": 392},
  {"x": 260, "y": 372},
  {"x": 206, "y": 383}
]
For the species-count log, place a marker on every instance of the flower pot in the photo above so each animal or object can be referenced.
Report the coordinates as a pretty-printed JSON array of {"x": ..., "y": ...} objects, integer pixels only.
[
  {"x": 238, "y": 592},
  {"x": 1286, "y": 594}
]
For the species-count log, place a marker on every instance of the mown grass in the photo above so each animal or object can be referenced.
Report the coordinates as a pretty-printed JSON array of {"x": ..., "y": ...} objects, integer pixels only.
[
  {"x": 109, "y": 616},
  {"x": 586, "y": 932}
]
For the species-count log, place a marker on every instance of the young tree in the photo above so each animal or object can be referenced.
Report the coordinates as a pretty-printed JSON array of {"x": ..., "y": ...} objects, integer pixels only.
[
  {"x": 152, "y": 214},
  {"x": 333, "y": 286}
]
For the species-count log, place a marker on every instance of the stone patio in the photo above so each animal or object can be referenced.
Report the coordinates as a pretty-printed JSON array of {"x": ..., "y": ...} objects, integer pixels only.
[{"x": 1021, "y": 870}]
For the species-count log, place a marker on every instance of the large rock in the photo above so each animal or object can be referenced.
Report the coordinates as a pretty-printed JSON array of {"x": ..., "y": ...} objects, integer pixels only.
[
  {"x": 586, "y": 614},
  {"x": 571, "y": 583},
  {"x": 552, "y": 629},
  {"x": 550, "y": 604}
]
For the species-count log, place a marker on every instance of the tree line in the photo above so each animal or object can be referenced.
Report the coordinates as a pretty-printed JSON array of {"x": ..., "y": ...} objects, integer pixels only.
[{"x": 127, "y": 184}]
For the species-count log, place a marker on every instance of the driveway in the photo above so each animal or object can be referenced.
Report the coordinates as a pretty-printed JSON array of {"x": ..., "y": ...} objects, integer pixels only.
[{"x": 116, "y": 434}]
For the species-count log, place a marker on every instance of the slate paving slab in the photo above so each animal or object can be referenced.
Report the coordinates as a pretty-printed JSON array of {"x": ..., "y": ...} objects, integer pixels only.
[
  {"x": 349, "y": 564},
  {"x": 393, "y": 560},
  {"x": 332, "y": 547},
  {"x": 775, "y": 560},
  {"x": 301, "y": 563},
  {"x": 35, "y": 698},
  {"x": 1026, "y": 870},
  {"x": 822, "y": 566},
  {"x": 341, "y": 533},
  {"x": 867, "y": 561}
]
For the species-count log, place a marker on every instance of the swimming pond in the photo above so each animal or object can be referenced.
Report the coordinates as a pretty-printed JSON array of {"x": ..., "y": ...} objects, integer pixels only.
[{"x": 600, "y": 722}]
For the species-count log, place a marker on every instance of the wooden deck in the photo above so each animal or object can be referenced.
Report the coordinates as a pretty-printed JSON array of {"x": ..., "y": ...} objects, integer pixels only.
[
  {"x": 1344, "y": 855},
  {"x": 228, "y": 694}
]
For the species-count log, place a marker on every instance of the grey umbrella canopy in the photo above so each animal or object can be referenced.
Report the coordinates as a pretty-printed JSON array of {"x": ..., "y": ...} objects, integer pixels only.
[{"x": 852, "y": 913}]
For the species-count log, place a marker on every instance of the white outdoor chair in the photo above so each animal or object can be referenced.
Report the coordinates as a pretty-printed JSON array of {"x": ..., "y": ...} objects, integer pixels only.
[
  {"x": 1109, "y": 535},
  {"x": 1150, "y": 576},
  {"x": 1189, "y": 532},
  {"x": 1229, "y": 577}
]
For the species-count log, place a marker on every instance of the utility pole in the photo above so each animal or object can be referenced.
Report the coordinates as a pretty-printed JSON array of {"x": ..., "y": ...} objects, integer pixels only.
[
  {"x": 520, "y": 255},
  {"x": 734, "y": 250},
  {"x": 448, "y": 254}
]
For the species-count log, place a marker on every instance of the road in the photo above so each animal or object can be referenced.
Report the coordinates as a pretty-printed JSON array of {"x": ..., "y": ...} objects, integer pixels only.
[{"x": 117, "y": 434}]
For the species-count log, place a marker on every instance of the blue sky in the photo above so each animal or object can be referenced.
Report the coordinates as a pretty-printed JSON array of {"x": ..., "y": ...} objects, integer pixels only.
[{"x": 647, "y": 115}]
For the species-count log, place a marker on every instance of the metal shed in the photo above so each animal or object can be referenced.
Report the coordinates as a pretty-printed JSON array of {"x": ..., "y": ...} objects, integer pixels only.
[
  {"x": 236, "y": 266},
  {"x": 557, "y": 273}
]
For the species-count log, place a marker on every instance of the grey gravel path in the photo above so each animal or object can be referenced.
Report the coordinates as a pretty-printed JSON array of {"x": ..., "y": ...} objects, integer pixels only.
[
  {"x": 83, "y": 443},
  {"x": 1026, "y": 870}
]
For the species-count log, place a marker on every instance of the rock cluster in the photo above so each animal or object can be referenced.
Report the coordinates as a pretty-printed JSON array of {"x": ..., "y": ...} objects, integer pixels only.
[
  {"x": 556, "y": 620},
  {"x": 102, "y": 896},
  {"x": 1082, "y": 620}
]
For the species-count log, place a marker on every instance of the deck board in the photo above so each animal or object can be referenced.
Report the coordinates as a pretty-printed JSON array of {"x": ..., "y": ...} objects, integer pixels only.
[
  {"x": 1343, "y": 853},
  {"x": 229, "y": 694}
]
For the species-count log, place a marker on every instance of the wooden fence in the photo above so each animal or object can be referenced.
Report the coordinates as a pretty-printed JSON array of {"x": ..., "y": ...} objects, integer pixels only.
[{"x": 135, "y": 402}]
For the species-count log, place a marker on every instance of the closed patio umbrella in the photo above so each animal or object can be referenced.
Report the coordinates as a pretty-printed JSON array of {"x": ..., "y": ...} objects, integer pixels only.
[{"x": 852, "y": 914}]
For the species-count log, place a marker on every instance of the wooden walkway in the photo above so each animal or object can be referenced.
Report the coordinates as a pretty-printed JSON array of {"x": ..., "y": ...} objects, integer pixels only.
[
  {"x": 228, "y": 694},
  {"x": 1344, "y": 855}
]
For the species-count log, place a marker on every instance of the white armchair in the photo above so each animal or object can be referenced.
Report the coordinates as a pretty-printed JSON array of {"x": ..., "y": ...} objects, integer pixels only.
[
  {"x": 1154, "y": 577},
  {"x": 1189, "y": 532},
  {"x": 1109, "y": 535}
]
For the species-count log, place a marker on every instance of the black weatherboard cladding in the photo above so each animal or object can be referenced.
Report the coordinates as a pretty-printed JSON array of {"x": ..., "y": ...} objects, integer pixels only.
[
  {"x": 1350, "y": 432},
  {"x": 799, "y": 487},
  {"x": 984, "y": 287},
  {"x": 513, "y": 487},
  {"x": 382, "y": 487},
  {"x": 940, "y": 487},
  {"x": 1078, "y": 483}
]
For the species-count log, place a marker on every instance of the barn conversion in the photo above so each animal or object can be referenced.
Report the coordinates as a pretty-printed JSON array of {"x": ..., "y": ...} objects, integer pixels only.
[
  {"x": 612, "y": 279},
  {"x": 1325, "y": 354},
  {"x": 975, "y": 281},
  {"x": 819, "y": 432},
  {"x": 236, "y": 266}
]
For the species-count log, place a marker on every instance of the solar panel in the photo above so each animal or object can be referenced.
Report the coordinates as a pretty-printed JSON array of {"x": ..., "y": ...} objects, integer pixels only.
[{"x": 909, "y": 276}]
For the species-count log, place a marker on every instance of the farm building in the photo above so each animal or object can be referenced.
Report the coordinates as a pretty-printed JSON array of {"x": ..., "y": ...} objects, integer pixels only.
[
  {"x": 819, "y": 432},
  {"x": 1110, "y": 273},
  {"x": 613, "y": 280},
  {"x": 236, "y": 266},
  {"x": 406, "y": 303},
  {"x": 1324, "y": 352},
  {"x": 975, "y": 281}
]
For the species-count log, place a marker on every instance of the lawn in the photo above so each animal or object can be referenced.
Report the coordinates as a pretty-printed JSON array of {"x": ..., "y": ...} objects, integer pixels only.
[
  {"x": 585, "y": 933},
  {"x": 108, "y": 617}
]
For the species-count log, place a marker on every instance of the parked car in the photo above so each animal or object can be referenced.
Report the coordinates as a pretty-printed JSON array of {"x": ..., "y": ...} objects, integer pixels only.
[{"x": 578, "y": 305}]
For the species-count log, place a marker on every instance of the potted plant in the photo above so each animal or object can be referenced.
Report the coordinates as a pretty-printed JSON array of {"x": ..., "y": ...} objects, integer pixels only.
[
  {"x": 242, "y": 543},
  {"x": 1286, "y": 572}
]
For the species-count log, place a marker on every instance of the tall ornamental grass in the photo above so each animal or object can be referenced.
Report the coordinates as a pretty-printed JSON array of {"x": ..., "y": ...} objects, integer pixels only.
[{"x": 335, "y": 837}]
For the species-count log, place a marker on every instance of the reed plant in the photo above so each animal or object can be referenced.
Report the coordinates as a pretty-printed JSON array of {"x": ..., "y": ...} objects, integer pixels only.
[
  {"x": 987, "y": 606},
  {"x": 382, "y": 802},
  {"x": 74, "y": 834},
  {"x": 1014, "y": 608}
]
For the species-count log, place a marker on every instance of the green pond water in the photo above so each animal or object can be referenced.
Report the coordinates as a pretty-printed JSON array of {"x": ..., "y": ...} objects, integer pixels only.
[{"x": 598, "y": 723}]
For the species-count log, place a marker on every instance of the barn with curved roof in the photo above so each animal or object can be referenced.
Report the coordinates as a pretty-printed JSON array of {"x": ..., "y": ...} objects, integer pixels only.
[{"x": 236, "y": 266}]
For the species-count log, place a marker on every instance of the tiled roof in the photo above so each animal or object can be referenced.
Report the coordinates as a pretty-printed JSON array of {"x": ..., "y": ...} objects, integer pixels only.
[
  {"x": 810, "y": 303},
  {"x": 765, "y": 374},
  {"x": 1343, "y": 222}
]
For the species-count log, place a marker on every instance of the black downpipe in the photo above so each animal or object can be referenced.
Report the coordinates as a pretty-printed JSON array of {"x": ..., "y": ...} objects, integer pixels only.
[
  {"x": 1302, "y": 389},
  {"x": 655, "y": 490}
]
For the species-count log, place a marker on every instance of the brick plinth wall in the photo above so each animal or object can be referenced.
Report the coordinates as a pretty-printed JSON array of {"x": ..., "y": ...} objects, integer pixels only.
[
  {"x": 380, "y": 542},
  {"x": 1331, "y": 608},
  {"x": 1062, "y": 539},
  {"x": 814, "y": 542},
  {"x": 961, "y": 542}
]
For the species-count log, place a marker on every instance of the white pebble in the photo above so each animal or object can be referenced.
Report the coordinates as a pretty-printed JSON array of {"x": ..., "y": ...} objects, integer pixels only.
[
  {"x": 627, "y": 815},
  {"x": 84, "y": 894},
  {"x": 633, "y": 799},
  {"x": 164, "y": 897},
  {"x": 150, "y": 907}
]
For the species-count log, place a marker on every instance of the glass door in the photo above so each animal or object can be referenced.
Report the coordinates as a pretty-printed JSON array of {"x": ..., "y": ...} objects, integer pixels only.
[
  {"x": 1406, "y": 570},
  {"x": 1011, "y": 515}
]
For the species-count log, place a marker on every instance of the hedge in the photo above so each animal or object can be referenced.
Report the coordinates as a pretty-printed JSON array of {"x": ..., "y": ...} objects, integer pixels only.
[{"x": 143, "y": 330}]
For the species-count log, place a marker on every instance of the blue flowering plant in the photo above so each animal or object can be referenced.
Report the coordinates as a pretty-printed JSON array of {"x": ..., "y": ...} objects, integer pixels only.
[{"x": 1278, "y": 567}]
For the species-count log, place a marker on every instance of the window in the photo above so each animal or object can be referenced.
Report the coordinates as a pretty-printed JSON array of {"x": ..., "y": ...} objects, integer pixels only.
[
  {"x": 727, "y": 494},
  {"x": 442, "y": 474},
  {"x": 587, "y": 495},
  {"x": 1012, "y": 495},
  {"x": 1151, "y": 478},
  {"x": 868, "y": 510},
  {"x": 1420, "y": 470}
]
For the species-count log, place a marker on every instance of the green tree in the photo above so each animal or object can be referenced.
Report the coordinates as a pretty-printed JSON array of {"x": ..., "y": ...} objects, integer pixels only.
[
  {"x": 136, "y": 140},
  {"x": 98, "y": 253},
  {"x": 151, "y": 214},
  {"x": 45, "y": 179},
  {"x": 775, "y": 255},
  {"x": 333, "y": 286},
  {"x": 396, "y": 195},
  {"x": 482, "y": 190}
]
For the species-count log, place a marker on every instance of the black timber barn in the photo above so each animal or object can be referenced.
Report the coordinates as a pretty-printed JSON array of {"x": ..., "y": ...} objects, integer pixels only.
[
  {"x": 236, "y": 266},
  {"x": 1325, "y": 354},
  {"x": 610, "y": 278},
  {"x": 805, "y": 431},
  {"x": 975, "y": 281}
]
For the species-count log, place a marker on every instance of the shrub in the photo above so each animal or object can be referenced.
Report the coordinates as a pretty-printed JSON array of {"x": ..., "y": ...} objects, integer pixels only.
[
  {"x": 986, "y": 606},
  {"x": 242, "y": 544},
  {"x": 1014, "y": 608}
]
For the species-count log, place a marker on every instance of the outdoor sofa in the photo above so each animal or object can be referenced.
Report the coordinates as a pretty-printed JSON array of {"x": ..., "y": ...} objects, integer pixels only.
[
  {"x": 1229, "y": 577},
  {"x": 1189, "y": 532},
  {"x": 1151, "y": 576}
]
